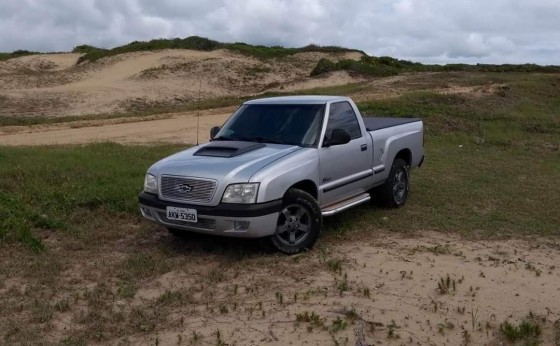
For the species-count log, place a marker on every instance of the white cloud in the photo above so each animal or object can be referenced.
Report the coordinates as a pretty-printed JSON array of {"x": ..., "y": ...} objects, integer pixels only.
[{"x": 496, "y": 31}]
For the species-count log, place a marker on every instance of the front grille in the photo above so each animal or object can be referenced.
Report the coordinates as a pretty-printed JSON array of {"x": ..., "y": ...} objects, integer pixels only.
[
  {"x": 202, "y": 223},
  {"x": 187, "y": 189}
]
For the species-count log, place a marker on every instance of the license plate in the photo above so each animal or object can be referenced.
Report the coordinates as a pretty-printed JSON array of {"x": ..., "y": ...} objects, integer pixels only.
[{"x": 182, "y": 214}]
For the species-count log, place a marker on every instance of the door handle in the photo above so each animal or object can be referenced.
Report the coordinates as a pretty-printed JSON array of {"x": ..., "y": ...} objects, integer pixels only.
[{"x": 363, "y": 147}]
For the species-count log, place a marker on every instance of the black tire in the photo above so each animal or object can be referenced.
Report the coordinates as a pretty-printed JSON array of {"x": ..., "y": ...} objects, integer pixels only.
[
  {"x": 394, "y": 192},
  {"x": 299, "y": 224}
]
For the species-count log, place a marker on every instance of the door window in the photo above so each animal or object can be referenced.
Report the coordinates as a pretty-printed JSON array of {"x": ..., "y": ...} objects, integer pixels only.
[{"x": 342, "y": 116}]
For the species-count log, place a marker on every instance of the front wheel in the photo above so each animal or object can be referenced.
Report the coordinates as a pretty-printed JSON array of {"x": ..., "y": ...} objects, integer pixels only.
[{"x": 299, "y": 223}]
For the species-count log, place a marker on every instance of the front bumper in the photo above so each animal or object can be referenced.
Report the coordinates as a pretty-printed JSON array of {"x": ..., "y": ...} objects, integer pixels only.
[{"x": 233, "y": 220}]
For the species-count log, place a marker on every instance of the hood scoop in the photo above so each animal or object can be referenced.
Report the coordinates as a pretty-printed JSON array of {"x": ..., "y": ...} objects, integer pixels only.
[{"x": 227, "y": 149}]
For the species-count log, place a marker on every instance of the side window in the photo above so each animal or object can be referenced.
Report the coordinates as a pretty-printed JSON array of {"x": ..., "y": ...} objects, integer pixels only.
[{"x": 342, "y": 116}]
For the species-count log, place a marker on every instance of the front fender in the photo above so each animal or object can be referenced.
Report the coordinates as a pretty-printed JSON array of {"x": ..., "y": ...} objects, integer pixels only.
[{"x": 277, "y": 177}]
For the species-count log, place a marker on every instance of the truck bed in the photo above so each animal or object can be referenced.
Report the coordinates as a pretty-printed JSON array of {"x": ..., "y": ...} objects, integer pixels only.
[{"x": 376, "y": 123}]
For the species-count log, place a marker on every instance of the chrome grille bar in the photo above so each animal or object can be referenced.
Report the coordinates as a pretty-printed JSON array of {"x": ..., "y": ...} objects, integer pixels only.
[{"x": 186, "y": 189}]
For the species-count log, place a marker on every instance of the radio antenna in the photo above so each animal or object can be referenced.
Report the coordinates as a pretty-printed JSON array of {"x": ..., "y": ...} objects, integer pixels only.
[{"x": 198, "y": 110}]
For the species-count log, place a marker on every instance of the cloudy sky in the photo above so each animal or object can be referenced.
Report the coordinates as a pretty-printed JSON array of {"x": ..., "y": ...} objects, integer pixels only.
[{"x": 441, "y": 31}]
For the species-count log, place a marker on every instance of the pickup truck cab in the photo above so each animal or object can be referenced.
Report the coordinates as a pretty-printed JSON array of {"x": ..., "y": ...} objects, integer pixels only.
[{"x": 279, "y": 165}]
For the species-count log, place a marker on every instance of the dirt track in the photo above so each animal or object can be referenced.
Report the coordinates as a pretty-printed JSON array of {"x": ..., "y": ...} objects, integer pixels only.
[{"x": 180, "y": 128}]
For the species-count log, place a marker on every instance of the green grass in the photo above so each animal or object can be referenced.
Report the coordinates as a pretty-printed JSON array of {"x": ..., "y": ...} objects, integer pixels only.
[
  {"x": 489, "y": 170},
  {"x": 490, "y": 162},
  {"x": 58, "y": 188},
  {"x": 522, "y": 114}
]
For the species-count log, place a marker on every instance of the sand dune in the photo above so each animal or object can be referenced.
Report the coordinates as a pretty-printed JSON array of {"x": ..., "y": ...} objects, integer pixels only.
[{"x": 53, "y": 85}]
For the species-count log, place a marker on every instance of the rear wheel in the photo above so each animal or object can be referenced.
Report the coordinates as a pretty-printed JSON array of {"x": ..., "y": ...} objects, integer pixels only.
[
  {"x": 299, "y": 223},
  {"x": 394, "y": 192}
]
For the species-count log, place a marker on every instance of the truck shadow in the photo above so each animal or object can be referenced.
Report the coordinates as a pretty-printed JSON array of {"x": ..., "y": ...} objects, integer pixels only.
[{"x": 190, "y": 243}]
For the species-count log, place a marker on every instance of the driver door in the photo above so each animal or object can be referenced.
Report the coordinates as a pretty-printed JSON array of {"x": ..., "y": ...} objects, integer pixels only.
[{"x": 346, "y": 169}]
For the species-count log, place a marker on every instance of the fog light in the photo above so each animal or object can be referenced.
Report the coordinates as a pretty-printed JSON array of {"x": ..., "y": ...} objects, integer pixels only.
[
  {"x": 241, "y": 225},
  {"x": 147, "y": 213}
]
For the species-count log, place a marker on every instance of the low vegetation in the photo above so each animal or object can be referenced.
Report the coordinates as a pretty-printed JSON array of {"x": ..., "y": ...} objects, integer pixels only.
[
  {"x": 199, "y": 43},
  {"x": 368, "y": 65},
  {"x": 468, "y": 142},
  {"x": 371, "y": 66},
  {"x": 527, "y": 332},
  {"x": 15, "y": 54}
]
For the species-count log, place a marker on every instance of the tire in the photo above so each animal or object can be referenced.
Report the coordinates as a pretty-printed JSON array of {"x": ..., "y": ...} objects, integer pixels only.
[
  {"x": 394, "y": 192},
  {"x": 299, "y": 224}
]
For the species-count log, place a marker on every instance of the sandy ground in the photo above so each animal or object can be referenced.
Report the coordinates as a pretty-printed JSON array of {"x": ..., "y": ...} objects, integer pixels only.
[
  {"x": 377, "y": 289},
  {"x": 178, "y": 128},
  {"x": 385, "y": 290}
]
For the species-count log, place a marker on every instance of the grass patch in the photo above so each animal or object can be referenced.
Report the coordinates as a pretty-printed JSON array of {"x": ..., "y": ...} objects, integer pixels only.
[
  {"x": 491, "y": 159},
  {"x": 528, "y": 332},
  {"x": 524, "y": 116},
  {"x": 57, "y": 188},
  {"x": 469, "y": 190}
]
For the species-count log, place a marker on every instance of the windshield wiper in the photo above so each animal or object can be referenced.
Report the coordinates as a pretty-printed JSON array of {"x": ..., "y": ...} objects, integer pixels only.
[{"x": 224, "y": 138}]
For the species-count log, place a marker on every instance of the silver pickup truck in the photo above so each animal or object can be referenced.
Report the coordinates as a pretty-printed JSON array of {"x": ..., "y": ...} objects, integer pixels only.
[{"x": 279, "y": 165}]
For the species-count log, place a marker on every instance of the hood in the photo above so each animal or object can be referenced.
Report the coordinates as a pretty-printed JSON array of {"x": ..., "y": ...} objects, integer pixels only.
[{"x": 222, "y": 161}]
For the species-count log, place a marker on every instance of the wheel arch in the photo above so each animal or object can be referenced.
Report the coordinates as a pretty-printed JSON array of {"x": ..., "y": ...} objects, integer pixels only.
[
  {"x": 405, "y": 155},
  {"x": 308, "y": 186}
]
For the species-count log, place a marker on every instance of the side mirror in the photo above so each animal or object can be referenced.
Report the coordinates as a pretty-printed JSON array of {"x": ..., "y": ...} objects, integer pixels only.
[
  {"x": 214, "y": 131},
  {"x": 338, "y": 137}
]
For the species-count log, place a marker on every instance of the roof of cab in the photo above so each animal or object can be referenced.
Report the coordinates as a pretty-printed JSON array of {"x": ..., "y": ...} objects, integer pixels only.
[{"x": 304, "y": 99}]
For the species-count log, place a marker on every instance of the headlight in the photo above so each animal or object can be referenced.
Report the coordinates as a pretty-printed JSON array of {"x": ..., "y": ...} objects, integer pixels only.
[
  {"x": 241, "y": 193},
  {"x": 150, "y": 184}
]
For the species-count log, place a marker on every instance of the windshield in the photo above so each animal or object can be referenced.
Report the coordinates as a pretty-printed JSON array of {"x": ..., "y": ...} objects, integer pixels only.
[{"x": 269, "y": 123}]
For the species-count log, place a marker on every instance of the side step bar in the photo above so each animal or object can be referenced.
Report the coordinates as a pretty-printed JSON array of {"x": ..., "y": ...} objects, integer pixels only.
[{"x": 346, "y": 204}]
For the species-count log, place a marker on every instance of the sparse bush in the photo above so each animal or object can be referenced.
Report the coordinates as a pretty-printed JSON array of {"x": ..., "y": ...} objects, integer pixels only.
[
  {"x": 15, "y": 54},
  {"x": 323, "y": 66},
  {"x": 371, "y": 66},
  {"x": 528, "y": 331},
  {"x": 364, "y": 67},
  {"x": 310, "y": 317},
  {"x": 339, "y": 324},
  {"x": 85, "y": 49},
  {"x": 446, "y": 285}
]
